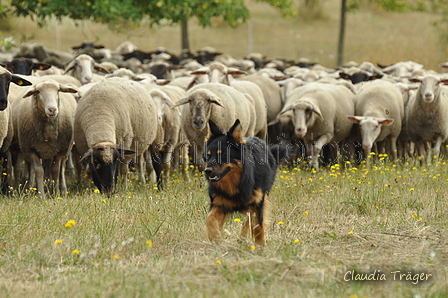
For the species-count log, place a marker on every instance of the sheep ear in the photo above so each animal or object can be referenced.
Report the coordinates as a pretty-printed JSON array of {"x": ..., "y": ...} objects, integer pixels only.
[
  {"x": 19, "y": 81},
  {"x": 385, "y": 122},
  {"x": 285, "y": 109},
  {"x": 31, "y": 91},
  {"x": 200, "y": 71},
  {"x": 235, "y": 71},
  {"x": 217, "y": 101},
  {"x": 344, "y": 76},
  {"x": 354, "y": 119},
  {"x": 214, "y": 129},
  {"x": 316, "y": 110},
  {"x": 125, "y": 152},
  {"x": 85, "y": 158},
  {"x": 68, "y": 89},
  {"x": 41, "y": 66},
  {"x": 97, "y": 67},
  {"x": 236, "y": 132},
  {"x": 70, "y": 66},
  {"x": 182, "y": 102}
]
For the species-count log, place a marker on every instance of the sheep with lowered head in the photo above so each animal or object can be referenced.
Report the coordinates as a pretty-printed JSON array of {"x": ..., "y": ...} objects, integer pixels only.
[
  {"x": 379, "y": 111},
  {"x": 45, "y": 119},
  {"x": 115, "y": 121}
]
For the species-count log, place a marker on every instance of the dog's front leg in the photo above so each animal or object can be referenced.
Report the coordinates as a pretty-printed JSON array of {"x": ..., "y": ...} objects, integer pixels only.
[{"x": 215, "y": 220}]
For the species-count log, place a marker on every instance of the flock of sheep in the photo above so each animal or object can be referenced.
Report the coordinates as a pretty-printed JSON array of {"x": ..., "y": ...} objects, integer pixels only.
[{"x": 105, "y": 109}]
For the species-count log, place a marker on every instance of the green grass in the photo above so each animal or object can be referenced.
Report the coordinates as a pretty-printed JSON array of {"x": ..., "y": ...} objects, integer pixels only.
[{"x": 147, "y": 243}]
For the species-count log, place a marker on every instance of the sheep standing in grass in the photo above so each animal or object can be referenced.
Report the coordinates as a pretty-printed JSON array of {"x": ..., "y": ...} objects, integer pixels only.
[
  {"x": 379, "y": 112},
  {"x": 6, "y": 128},
  {"x": 45, "y": 119},
  {"x": 115, "y": 121},
  {"x": 318, "y": 113},
  {"x": 427, "y": 114},
  {"x": 218, "y": 102}
]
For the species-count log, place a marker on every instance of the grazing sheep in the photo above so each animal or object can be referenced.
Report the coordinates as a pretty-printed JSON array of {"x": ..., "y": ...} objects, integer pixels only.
[
  {"x": 218, "y": 102},
  {"x": 318, "y": 113},
  {"x": 379, "y": 111},
  {"x": 426, "y": 114},
  {"x": 82, "y": 68},
  {"x": 115, "y": 121},
  {"x": 45, "y": 129}
]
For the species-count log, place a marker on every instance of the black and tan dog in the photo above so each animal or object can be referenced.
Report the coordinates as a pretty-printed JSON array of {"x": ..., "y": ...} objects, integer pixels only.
[{"x": 240, "y": 172}]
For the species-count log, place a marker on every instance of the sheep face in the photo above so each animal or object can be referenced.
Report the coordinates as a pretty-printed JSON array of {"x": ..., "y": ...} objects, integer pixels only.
[
  {"x": 103, "y": 161},
  {"x": 429, "y": 88},
  {"x": 82, "y": 68},
  {"x": 370, "y": 128},
  {"x": 200, "y": 101},
  {"x": 46, "y": 96},
  {"x": 5, "y": 80},
  {"x": 304, "y": 116}
]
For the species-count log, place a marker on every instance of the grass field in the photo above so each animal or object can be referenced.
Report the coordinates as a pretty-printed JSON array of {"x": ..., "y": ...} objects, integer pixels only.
[
  {"x": 142, "y": 242},
  {"x": 327, "y": 227}
]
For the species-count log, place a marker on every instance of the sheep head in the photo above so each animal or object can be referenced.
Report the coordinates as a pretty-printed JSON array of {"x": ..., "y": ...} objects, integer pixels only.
[
  {"x": 103, "y": 160},
  {"x": 201, "y": 101},
  {"x": 46, "y": 95},
  {"x": 370, "y": 128},
  {"x": 305, "y": 114},
  {"x": 5, "y": 80},
  {"x": 429, "y": 86}
]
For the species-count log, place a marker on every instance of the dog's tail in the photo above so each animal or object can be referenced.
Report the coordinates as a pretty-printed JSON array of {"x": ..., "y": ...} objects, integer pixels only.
[{"x": 280, "y": 153}]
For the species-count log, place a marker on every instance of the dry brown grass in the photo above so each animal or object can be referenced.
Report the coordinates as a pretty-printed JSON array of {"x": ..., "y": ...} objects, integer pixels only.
[{"x": 371, "y": 35}]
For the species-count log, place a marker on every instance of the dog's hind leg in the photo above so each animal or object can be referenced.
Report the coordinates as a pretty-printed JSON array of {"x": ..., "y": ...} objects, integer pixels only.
[{"x": 215, "y": 220}]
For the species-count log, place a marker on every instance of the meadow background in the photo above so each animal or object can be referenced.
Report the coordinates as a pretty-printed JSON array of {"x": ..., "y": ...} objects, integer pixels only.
[{"x": 142, "y": 242}]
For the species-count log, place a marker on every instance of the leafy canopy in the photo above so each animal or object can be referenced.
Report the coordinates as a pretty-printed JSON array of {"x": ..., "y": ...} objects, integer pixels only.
[{"x": 234, "y": 12}]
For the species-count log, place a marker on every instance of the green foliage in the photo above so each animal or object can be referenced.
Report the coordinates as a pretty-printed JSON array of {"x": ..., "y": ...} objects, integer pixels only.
[{"x": 234, "y": 12}]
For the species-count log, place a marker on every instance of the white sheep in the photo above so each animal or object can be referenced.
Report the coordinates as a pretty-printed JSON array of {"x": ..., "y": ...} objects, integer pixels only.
[
  {"x": 318, "y": 113},
  {"x": 427, "y": 114},
  {"x": 379, "y": 111},
  {"x": 218, "y": 102},
  {"x": 45, "y": 118},
  {"x": 82, "y": 68},
  {"x": 115, "y": 121},
  {"x": 220, "y": 73}
]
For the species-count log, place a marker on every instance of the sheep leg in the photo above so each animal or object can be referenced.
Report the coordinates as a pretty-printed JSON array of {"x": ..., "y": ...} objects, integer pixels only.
[
  {"x": 185, "y": 162},
  {"x": 324, "y": 139},
  {"x": 393, "y": 148},
  {"x": 436, "y": 149},
  {"x": 141, "y": 166},
  {"x": 38, "y": 171},
  {"x": 56, "y": 173}
]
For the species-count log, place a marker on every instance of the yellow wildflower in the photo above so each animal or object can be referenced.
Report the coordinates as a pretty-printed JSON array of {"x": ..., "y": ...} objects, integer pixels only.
[{"x": 70, "y": 223}]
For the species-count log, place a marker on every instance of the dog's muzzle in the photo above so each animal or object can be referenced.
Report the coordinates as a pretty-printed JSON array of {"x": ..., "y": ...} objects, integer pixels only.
[{"x": 211, "y": 176}]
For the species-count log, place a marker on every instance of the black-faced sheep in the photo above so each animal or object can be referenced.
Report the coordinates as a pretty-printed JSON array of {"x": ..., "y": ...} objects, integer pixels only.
[{"x": 115, "y": 121}]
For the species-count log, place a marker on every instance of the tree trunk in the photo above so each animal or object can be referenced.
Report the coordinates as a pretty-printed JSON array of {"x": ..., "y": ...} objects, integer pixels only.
[
  {"x": 185, "y": 41},
  {"x": 341, "y": 33}
]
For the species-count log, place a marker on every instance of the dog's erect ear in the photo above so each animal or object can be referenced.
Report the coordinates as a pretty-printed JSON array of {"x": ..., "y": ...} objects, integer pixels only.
[
  {"x": 236, "y": 132},
  {"x": 214, "y": 129}
]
